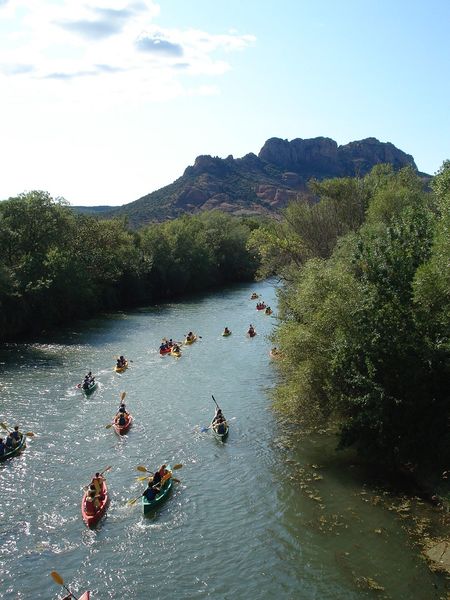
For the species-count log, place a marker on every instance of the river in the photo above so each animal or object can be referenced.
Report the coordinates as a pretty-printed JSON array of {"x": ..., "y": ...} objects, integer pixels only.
[{"x": 265, "y": 514}]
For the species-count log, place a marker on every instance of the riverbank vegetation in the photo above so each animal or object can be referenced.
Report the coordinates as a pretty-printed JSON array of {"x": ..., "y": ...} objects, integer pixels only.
[
  {"x": 56, "y": 265},
  {"x": 365, "y": 314}
]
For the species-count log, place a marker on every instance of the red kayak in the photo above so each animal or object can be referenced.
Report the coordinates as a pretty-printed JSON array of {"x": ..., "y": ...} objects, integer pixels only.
[
  {"x": 164, "y": 351},
  {"x": 92, "y": 520},
  {"x": 261, "y": 307},
  {"x": 121, "y": 429}
]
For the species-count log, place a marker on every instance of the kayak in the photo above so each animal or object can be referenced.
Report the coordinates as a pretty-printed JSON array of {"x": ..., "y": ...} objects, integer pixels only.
[
  {"x": 262, "y": 307},
  {"x": 121, "y": 369},
  {"x": 268, "y": 311},
  {"x": 176, "y": 353},
  {"x": 226, "y": 334},
  {"x": 85, "y": 596},
  {"x": 163, "y": 351},
  {"x": 220, "y": 436},
  {"x": 121, "y": 429},
  {"x": 254, "y": 296},
  {"x": 251, "y": 333},
  {"x": 191, "y": 341},
  {"x": 92, "y": 520},
  {"x": 88, "y": 390},
  {"x": 148, "y": 505},
  {"x": 15, "y": 451}
]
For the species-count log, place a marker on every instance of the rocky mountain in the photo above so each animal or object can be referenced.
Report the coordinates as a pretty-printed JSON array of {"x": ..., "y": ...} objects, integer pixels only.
[{"x": 254, "y": 185}]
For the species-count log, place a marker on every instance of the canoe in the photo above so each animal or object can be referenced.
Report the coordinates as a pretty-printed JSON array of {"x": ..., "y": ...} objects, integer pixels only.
[
  {"x": 191, "y": 341},
  {"x": 121, "y": 369},
  {"x": 147, "y": 505},
  {"x": 15, "y": 451},
  {"x": 121, "y": 429},
  {"x": 92, "y": 520},
  {"x": 164, "y": 351},
  {"x": 175, "y": 353},
  {"x": 226, "y": 334},
  {"x": 89, "y": 389},
  {"x": 220, "y": 436}
]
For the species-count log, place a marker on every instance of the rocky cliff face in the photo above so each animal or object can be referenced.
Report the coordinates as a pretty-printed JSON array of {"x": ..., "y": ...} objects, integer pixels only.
[
  {"x": 319, "y": 157},
  {"x": 261, "y": 184}
]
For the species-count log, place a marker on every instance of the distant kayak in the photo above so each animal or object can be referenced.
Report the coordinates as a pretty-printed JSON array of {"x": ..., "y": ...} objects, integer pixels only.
[
  {"x": 89, "y": 388},
  {"x": 226, "y": 333},
  {"x": 220, "y": 430},
  {"x": 163, "y": 351},
  {"x": 176, "y": 353},
  {"x": 93, "y": 519},
  {"x": 254, "y": 296},
  {"x": 191, "y": 340},
  {"x": 122, "y": 429},
  {"x": 148, "y": 505},
  {"x": 268, "y": 311}
]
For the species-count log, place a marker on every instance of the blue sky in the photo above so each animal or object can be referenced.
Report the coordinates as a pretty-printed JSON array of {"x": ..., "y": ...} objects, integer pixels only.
[{"x": 104, "y": 102}]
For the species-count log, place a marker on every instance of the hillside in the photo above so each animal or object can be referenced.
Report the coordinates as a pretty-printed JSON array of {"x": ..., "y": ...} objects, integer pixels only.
[{"x": 255, "y": 185}]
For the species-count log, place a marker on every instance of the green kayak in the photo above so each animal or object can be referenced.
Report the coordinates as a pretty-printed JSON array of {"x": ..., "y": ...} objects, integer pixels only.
[
  {"x": 148, "y": 506},
  {"x": 15, "y": 451}
]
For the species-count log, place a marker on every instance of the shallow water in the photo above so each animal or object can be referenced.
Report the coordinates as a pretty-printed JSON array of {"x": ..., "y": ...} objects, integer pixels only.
[{"x": 265, "y": 514}]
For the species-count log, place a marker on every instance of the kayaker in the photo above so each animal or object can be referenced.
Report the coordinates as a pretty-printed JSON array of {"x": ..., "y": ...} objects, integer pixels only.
[
  {"x": 121, "y": 419},
  {"x": 92, "y": 503},
  {"x": 170, "y": 344},
  {"x": 122, "y": 410},
  {"x": 226, "y": 331},
  {"x": 16, "y": 434},
  {"x": 157, "y": 477},
  {"x": 10, "y": 441},
  {"x": 2, "y": 447},
  {"x": 150, "y": 492},
  {"x": 97, "y": 482}
]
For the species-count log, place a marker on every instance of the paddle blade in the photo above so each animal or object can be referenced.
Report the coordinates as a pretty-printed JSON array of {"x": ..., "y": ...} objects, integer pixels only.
[
  {"x": 29, "y": 434},
  {"x": 108, "y": 426},
  {"x": 203, "y": 429},
  {"x": 142, "y": 468},
  {"x": 143, "y": 478},
  {"x": 133, "y": 501},
  {"x": 3, "y": 426},
  {"x": 176, "y": 467},
  {"x": 57, "y": 577},
  {"x": 122, "y": 396}
]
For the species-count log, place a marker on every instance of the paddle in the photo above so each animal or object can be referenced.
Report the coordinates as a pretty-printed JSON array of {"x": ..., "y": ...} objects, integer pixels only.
[
  {"x": 28, "y": 433},
  {"x": 145, "y": 470},
  {"x": 60, "y": 581}
]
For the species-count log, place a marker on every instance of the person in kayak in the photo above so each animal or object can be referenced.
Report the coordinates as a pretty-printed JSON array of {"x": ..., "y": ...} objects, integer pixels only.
[
  {"x": 226, "y": 331},
  {"x": 219, "y": 421},
  {"x": 175, "y": 348},
  {"x": 190, "y": 336},
  {"x": 2, "y": 447},
  {"x": 251, "y": 329},
  {"x": 10, "y": 443},
  {"x": 120, "y": 419},
  {"x": 121, "y": 361},
  {"x": 97, "y": 483},
  {"x": 17, "y": 436},
  {"x": 150, "y": 492},
  {"x": 92, "y": 502}
]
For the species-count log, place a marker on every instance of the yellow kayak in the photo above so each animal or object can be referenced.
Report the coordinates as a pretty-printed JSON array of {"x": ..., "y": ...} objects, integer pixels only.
[
  {"x": 176, "y": 353},
  {"x": 121, "y": 369},
  {"x": 191, "y": 340},
  {"x": 226, "y": 334}
]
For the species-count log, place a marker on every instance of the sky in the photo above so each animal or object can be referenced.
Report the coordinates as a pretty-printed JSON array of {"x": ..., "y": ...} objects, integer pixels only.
[{"x": 106, "y": 101}]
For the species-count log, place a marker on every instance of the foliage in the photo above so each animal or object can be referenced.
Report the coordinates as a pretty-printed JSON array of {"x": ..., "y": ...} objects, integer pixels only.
[
  {"x": 365, "y": 323},
  {"x": 56, "y": 265}
]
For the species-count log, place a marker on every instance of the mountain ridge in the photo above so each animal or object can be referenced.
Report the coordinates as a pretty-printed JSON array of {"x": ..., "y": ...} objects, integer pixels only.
[{"x": 258, "y": 184}]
